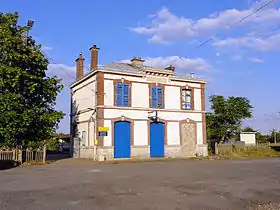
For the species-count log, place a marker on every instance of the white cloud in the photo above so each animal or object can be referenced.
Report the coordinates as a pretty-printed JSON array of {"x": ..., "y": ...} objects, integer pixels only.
[
  {"x": 236, "y": 57},
  {"x": 46, "y": 48},
  {"x": 166, "y": 27},
  {"x": 256, "y": 60},
  {"x": 181, "y": 63},
  {"x": 64, "y": 72},
  {"x": 269, "y": 43}
]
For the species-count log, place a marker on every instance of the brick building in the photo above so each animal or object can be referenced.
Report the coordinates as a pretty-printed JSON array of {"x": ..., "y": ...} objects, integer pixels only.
[{"x": 126, "y": 110}]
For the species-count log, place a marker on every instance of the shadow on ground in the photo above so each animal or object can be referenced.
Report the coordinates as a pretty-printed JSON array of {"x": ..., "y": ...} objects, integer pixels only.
[
  {"x": 7, "y": 164},
  {"x": 56, "y": 156}
]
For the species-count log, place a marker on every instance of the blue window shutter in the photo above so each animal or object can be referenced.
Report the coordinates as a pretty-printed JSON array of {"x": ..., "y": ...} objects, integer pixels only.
[
  {"x": 119, "y": 94},
  {"x": 154, "y": 97},
  {"x": 159, "y": 97},
  {"x": 126, "y": 95}
]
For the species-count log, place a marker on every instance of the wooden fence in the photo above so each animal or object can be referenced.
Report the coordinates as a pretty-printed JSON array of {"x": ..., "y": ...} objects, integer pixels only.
[
  {"x": 26, "y": 155},
  {"x": 223, "y": 149}
]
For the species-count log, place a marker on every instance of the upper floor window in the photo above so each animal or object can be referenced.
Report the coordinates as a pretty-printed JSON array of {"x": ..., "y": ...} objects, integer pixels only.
[
  {"x": 157, "y": 97},
  {"x": 187, "y": 99},
  {"x": 122, "y": 94}
]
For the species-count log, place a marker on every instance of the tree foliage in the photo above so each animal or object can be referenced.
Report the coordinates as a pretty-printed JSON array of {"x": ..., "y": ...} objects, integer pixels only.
[
  {"x": 227, "y": 116},
  {"x": 27, "y": 95}
]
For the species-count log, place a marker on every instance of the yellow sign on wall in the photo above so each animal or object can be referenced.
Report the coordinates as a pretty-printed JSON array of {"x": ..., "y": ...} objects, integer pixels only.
[
  {"x": 95, "y": 142},
  {"x": 106, "y": 129}
]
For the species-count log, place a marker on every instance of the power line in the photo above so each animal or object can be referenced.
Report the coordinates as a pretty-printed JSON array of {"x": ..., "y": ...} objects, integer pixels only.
[
  {"x": 65, "y": 71},
  {"x": 238, "y": 22},
  {"x": 58, "y": 65}
]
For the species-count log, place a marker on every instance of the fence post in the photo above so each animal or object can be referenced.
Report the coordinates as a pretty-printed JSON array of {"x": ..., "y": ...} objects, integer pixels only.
[
  {"x": 20, "y": 155},
  {"x": 44, "y": 153},
  {"x": 14, "y": 154},
  {"x": 216, "y": 148}
]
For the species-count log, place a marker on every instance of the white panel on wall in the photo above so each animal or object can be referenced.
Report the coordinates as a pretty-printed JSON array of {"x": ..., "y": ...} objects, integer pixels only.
[
  {"x": 197, "y": 99},
  {"x": 180, "y": 116},
  {"x": 143, "y": 115},
  {"x": 199, "y": 133},
  {"x": 83, "y": 127},
  {"x": 118, "y": 76},
  {"x": 107, "y": 140},
  {"x": 172, "y": 97},
  {"x": 140, "y": 95},
  {"x": 195, "y": 85},
  {"x": 91, "y": 134},
  {"x": 140, "y": 133},
  {"x": 108, "y": 92},
  {"x": 173, "y": 133}
]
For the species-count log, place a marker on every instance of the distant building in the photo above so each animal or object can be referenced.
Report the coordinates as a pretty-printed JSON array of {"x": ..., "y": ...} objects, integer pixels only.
[
  {"x": 248, "y": 137},
  {"x": 127, "y": 110}
]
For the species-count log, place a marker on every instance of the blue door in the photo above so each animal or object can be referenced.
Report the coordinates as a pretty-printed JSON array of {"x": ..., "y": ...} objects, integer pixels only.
[
  {"x": 157, "y": 139},
  {"x": 122, "y": 139}
]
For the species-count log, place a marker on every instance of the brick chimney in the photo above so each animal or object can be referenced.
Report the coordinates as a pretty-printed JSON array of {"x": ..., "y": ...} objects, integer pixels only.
[
  {"x": 79, "y": 66},
  {"x": 93, "y": 57},
  {"x": 171, "y": 68},
  {"x": 137, "y": 62}
]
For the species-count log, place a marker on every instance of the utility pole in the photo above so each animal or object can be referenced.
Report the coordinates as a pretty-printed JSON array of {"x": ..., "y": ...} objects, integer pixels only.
[{"x": 275, "y": 137}]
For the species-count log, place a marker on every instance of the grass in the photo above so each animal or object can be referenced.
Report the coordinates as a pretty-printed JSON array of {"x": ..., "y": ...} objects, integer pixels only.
[{"x": 253, "y": 153}]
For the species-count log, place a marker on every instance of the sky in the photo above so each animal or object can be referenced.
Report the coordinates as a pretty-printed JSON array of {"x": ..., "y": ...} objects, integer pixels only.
[{"x": 239, "y": 59}]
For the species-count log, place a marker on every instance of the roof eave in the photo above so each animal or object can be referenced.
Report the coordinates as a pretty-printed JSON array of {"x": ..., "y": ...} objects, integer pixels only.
[{"x": 111, "y": 70}]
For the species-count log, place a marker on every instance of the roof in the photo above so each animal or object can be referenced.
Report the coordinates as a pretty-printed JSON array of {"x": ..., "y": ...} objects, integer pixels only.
[
  {"x": 123, "y": 67},
  {"x": 118, "y": 67},
  {"x": 126, "y": 67}
]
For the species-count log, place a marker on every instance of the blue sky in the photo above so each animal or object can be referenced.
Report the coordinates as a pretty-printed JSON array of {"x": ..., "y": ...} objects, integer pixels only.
[{"x": 242, "y": 61}]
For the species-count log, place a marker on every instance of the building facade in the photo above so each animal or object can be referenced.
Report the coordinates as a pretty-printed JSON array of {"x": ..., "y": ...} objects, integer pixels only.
[{"x": 129, "y": 110}]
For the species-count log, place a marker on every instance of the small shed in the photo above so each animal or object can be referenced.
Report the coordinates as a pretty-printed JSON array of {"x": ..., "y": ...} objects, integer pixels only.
[{"x": 248, "y": 137}]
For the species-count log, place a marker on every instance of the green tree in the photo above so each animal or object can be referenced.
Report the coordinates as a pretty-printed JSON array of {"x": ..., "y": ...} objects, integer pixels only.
[
  {"x": 226, "y": 116},
  {"x": 27, "y": 95},
  {"x": 248, "y": 129}
]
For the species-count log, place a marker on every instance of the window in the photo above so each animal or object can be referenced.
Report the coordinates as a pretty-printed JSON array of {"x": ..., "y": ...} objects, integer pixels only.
[
  {"x": 157, "y": 97},
  {"x": 122, "y": 94},
  {"x": 187, "y": 99},
  {"x": 83, "y": 138}
]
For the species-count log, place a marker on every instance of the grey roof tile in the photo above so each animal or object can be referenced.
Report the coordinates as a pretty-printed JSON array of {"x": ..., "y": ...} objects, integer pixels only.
[{"x": 126, "y": 67}]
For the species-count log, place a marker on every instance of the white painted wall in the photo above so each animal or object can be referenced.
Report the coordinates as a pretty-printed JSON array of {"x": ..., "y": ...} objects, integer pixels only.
[
  {"x": 107, "y": 140},
  {"x": 140, "y": 133},
  {"x": 83, "y": 95},
  {"x": 140, "y": 92},
  {"x": 108, "y": 92},
  {"x": 172, "y": 96},
  {"x": 173, "y": 133},
  {"x": 197, "y": 99},
  {"x": 139, "y": 114},
  {"x": 140, "y": 95},
  {"x": 118, "y": 76},
  {"x": 195, "y": 85}
]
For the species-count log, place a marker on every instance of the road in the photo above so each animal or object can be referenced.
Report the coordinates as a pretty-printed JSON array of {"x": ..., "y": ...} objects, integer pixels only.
[{"x": 192, "y": 184}]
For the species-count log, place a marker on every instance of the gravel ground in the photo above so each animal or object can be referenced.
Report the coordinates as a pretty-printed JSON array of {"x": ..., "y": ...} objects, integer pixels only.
[{"x": 224, "y": 184}]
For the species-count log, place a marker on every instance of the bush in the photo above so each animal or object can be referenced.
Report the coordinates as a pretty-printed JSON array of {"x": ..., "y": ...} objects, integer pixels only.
[{"x": 52, "y": 144}]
